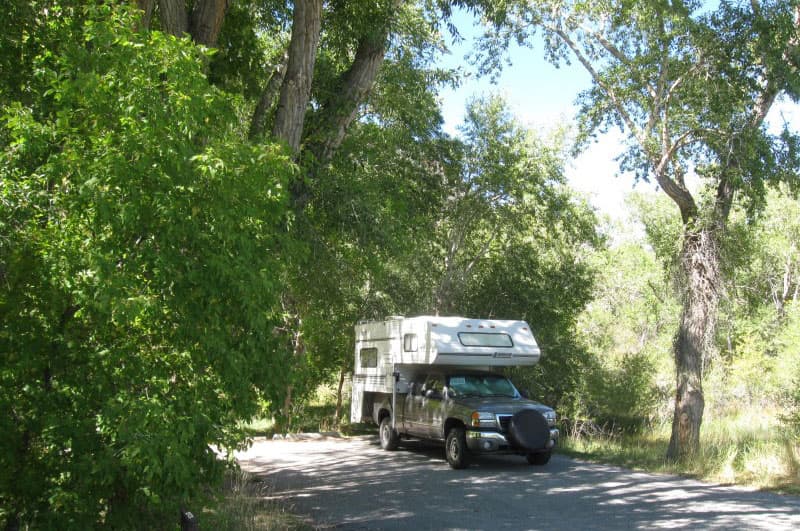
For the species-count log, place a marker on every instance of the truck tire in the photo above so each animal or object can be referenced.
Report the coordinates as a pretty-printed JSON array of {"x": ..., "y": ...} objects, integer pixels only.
[
  {"x": 389, "y": 438},
  {"x": 455, "y": 448},
  {"x": 539, "y": 459}
]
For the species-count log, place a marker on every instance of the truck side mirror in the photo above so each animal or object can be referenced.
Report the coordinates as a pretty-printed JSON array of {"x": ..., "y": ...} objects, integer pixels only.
[{"x": 433, "y": 393}]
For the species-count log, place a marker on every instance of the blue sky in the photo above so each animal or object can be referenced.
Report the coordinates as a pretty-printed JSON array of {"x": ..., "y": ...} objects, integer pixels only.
[{"x": 542, "y": 96}]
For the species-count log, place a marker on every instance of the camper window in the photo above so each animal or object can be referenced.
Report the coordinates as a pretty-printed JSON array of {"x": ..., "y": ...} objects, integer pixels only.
[
  {"x": 484, "y": 339},
  {"x": 410, "y": 342},
  {"x": 369, "y": 357}
]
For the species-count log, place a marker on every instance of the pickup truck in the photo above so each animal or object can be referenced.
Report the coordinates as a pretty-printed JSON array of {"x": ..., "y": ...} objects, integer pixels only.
[{"x": 471, "y": 412}]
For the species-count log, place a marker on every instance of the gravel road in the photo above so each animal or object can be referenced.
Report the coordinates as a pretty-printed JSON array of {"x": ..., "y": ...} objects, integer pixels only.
[{"x": 353, "y": 484}]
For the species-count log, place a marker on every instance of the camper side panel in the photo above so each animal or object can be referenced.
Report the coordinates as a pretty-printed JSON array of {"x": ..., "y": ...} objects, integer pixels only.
[
  {"x": 414, "y": 343},
  {"x": 376, "y": 345}
]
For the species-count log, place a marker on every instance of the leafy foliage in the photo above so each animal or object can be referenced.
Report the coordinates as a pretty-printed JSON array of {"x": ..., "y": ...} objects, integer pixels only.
[
  {"x": 758, "y": 341},
  {"x": 629, "y": 330},
  {"x": 629, "y": 323},
  {"x": 157, "y": 288},
  {"x": 511, "y": 241},
  {"x": 691, "y": 89},
  {"x": 139, "y": 258}
]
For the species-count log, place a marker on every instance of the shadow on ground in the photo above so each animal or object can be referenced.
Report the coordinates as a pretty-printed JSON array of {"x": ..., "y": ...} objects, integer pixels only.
[{"x": 353, "y": 484}]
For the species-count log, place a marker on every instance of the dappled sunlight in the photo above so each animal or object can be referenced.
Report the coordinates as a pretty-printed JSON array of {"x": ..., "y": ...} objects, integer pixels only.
[{"x": 352, "y": 483}]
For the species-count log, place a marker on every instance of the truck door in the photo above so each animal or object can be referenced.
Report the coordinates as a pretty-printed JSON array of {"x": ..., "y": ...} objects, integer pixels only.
[
  {"x": 412, "y": 417},
  {"x": 433, "y": 406}
]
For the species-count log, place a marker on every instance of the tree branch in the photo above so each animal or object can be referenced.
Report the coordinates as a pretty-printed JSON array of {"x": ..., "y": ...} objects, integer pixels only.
[
  {"x": 619, "y": 56},
  {"x": 341, "y": 108},
  {"x": 258, "y": 124},
  {"x": 626, "y": 118},
  {"x": 679, "y": 194}
]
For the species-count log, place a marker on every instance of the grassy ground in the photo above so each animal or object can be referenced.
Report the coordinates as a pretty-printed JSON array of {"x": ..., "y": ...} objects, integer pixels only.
[
  {"x": 315, "y": 418},
  {"x": 747, "y": 449},
  {"x": 248, "y": 505}
]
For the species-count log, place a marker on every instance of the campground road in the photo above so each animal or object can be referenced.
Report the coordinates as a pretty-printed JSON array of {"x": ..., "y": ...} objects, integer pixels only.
[{"x": 353, "y": 484}]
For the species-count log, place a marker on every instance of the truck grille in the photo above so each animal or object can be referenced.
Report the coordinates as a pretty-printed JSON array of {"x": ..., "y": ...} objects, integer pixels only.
[{"x": 504, "y": 421}]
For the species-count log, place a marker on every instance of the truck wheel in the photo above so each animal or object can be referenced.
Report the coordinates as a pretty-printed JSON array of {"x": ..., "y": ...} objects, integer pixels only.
[
  {"x": 456, "y": 448},
  {"x": 389, "y": 437},
  {"x": 539, "y": 459}
]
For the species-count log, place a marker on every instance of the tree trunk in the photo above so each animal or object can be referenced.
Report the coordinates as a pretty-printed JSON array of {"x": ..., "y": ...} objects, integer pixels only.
[
  {"x": 258, "y": 124},
  {"x": 12, "y": 522},
  {"x": 296, "y": 88},
  {"x": 342, "y": 108},
  {"x": 694, "y": 342},
  {"x": 147, "y": 13},
  {"x": 206, "y": 21},
  {"x": 174, "y": 19},
  {"x": 342, "y": 374},
  {"x": 203, "y": 25},
  {"x": 286, "y": 425}
]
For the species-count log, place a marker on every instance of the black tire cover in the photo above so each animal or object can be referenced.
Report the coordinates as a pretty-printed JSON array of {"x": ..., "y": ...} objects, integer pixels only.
[{"x": 529, "y": 430}]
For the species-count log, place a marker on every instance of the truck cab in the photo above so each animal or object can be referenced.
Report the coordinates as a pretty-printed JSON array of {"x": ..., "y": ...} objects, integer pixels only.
[{"x": 471, "y": 412}]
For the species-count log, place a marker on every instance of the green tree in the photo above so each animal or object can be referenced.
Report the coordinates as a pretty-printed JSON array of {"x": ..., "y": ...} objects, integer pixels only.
[
  {"x": 629, "y": 325},
  {"x": 508, "y": 240},
  {"x": 758, "y": 351},
  {"x": 505, "y": 209},
  {"x": 136, "y": 329},
  {"x": 360, "y": 195},
  {"x": 692, "y": 91}
]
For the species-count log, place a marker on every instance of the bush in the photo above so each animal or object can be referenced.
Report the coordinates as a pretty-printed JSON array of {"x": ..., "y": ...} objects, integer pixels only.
[
  {"x": 623, "y": 394},
  {"x": 792, "y": 416},
  {"x": 137, "y": 257}
]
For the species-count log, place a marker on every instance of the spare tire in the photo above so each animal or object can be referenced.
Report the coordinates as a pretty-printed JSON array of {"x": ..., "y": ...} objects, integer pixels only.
[{"x": 529, "y": 430}]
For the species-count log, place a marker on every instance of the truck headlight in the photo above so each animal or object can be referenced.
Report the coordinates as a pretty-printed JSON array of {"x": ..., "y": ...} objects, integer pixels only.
[
  {"x": 482, "y": 419},
  {"x": 551, "y": 417}
]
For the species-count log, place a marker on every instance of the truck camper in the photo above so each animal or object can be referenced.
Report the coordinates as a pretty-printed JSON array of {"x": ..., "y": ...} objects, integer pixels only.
[{"x": 438, "y": 378}]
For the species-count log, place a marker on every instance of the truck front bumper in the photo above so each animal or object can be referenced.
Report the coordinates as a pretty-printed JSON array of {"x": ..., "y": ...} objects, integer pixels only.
[{"x": 494, "y": 441}]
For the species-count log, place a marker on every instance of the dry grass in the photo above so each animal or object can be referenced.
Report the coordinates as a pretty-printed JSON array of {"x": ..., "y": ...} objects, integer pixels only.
[
  {"x": 750, "y": 449},
  {"x": 248, "y": 505}
]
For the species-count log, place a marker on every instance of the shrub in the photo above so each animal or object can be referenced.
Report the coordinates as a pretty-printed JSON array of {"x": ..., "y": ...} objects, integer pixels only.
[{"x": 137, "y": 257}]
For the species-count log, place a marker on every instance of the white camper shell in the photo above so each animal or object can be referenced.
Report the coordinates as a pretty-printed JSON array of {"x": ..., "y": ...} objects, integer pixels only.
[{"x": 389, "y": 352}]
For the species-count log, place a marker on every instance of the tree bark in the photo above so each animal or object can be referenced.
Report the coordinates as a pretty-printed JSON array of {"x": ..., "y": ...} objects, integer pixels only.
[
  {"x": 342, "y": 108},
  {"x": 203, "y": 25},
  {"x": 147, "y": 7},
  {"x": 296, "y": 88},
  {"x": 694, "y": 342},
  {"x": 258, "y": 124},
  {"x": 338, "y": 413},
  {"x": 286, "y": 423},
  {"x": 174, "y": 19},
  {"x": 206, "y": 21},
  {"x": 12, "y": 522}
]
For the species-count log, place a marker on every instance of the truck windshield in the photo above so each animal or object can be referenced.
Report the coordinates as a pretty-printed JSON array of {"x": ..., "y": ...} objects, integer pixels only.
[{"x": 482, "y": 385}]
